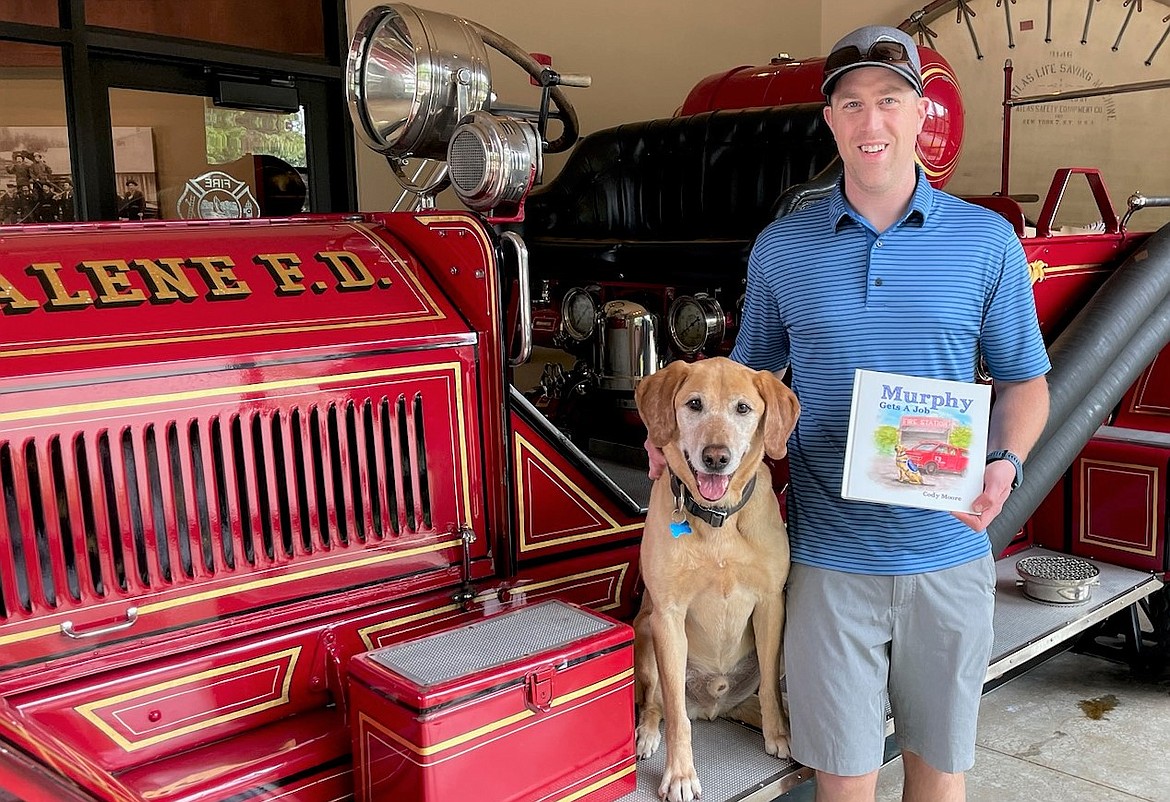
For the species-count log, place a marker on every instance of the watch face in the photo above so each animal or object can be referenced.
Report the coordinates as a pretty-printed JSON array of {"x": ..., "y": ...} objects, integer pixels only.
[{"x": 1058, "y": 46}]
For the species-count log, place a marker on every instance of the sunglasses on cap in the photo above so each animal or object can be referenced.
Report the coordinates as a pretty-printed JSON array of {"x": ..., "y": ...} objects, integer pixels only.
[{"x": 882, "y": 51}]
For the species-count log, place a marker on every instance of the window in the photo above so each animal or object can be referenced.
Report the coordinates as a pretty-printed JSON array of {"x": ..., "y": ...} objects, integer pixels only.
[
  {"x": 35, "y": 157},
  {"x": 128, "y": 105},
  {"x": 295, "y": 27}
]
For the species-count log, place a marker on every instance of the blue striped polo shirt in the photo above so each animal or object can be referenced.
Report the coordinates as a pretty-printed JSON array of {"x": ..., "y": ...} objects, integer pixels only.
[{"x": 827, "y": 294}]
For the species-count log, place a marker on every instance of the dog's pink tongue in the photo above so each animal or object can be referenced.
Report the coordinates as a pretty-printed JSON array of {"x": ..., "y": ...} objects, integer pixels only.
[{"x": 712, "y": 485}]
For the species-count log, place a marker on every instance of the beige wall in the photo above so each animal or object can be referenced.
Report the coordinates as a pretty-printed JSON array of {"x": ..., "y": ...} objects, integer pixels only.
[{"x": 839, "y": 17}]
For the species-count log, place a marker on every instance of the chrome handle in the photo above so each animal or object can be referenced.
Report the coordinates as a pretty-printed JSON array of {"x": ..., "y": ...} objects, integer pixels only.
[
  {"x": 525, "y": 298},
  {"x": 131, "y": 617}
]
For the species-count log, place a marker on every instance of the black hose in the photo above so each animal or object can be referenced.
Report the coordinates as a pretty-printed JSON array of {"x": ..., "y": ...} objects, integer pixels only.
[
  {"x": 1091, "y": 369},
  {"x": 568, "y": 115}
]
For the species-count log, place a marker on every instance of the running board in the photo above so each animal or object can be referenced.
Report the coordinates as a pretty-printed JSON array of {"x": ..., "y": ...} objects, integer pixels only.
[
  {"x": 730, "y": 757},
  {"x": 1026, "y": 629}
]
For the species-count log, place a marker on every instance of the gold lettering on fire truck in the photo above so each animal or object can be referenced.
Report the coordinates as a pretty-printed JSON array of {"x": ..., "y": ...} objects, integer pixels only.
[
  {"x": 120, "y": 282},
  {"x": 13, "y": 300},
  {"x": 222, "y": 281},
  {"x": 285, "y": 271},
  {"x": 56, "y": 296},
  {"x": 168, "y": 282},
  {"x": 111, "y": 283},
  {"x": 351, "y": 273}
]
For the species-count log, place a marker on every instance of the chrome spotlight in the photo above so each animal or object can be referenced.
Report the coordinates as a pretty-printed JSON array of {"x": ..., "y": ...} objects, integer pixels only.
[{"x": 411, "y": 77}]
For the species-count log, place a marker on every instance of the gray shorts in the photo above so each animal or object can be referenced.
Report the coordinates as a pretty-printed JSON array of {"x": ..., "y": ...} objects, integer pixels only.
[{"x": 852, "y": 642}]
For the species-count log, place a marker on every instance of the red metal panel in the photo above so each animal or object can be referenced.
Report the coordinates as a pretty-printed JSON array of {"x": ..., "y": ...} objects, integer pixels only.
[
  {"x": 444, "y": 381},
  {"x": 1067, "y": 270},
  {"x": 462, "y": 253},
  {"x": 110, "y": 294},
  {"x": 1049, "y": 525},
  {"x": 1119, "y": 497},
  {"x": 128, "y": 719},
  {"x": 1146, "y": 405},
  {"x": 297, "y": 751},
  {"x": 606, "y": 581},
  {"x": 558, "y": 507},
  {"x": 603, "y": 581}
]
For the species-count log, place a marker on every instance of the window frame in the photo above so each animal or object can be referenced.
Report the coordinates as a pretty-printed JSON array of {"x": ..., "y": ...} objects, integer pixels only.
[{"x": 96, "y": 59}]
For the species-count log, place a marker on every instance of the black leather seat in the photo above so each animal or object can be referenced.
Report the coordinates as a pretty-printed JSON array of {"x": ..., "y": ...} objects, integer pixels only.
[
  {"x": 675, "y": 193},
  {"x": 714, "y": 175}
]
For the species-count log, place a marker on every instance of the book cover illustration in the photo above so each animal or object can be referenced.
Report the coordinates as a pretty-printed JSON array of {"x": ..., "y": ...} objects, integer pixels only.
[{"x": 916, "y": 442}]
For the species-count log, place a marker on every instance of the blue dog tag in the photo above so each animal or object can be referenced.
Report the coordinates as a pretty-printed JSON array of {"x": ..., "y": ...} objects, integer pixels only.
[{"x": 679, "y": 528}]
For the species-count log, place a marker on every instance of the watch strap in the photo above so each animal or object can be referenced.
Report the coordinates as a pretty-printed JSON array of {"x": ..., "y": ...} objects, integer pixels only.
[{"x": 1017, "y": 463}]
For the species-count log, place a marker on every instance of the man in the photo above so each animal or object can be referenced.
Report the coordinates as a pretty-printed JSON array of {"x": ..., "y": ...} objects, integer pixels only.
[
  {"x": 8, "y": 204},
  {"x": 884, "y": 602},
  {"x": 26, "y": 204},
  {"x": 132, "y": 204},
  {"x": 41, "y": 175},
  {"x": 20, "y": 169}
]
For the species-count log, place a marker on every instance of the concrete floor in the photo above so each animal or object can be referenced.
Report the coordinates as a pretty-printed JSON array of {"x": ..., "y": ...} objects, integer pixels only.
[
  {"x": 1040, "y": 738},
  {"x": 1039, "y": 741}
]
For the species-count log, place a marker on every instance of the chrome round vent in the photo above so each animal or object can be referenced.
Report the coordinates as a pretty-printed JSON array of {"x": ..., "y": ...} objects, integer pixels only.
[
  {"x": 411, "y": 76},
  {"x": 468, "y": 161},
  {"x": 493, "y": 160}
]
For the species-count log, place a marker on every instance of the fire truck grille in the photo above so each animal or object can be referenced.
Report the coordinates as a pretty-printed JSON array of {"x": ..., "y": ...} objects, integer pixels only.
[{"x": 115, "y": 513}]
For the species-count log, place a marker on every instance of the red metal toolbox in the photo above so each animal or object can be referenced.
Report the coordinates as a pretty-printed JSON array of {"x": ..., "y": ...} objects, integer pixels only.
[{"x": 532, "y": 704}]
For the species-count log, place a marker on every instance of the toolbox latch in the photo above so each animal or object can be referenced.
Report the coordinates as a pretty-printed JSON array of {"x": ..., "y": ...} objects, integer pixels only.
[{"x": 539, "y": 688}]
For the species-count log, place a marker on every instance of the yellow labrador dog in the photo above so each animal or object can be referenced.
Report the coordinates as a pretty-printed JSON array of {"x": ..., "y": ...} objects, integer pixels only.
[{"x": 714, "y": 560}]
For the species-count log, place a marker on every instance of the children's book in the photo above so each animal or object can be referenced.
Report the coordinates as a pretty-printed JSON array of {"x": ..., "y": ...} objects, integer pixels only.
[{"x": 916, "y": 442}]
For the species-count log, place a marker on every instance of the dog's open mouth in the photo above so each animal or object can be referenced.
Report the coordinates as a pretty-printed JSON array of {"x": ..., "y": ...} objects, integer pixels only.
[{"x": 712, "y": 486}]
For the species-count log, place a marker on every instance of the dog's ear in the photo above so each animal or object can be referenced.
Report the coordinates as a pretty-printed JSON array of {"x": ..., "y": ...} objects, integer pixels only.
[
  {"x": 780, "y": 413},
  {"x": 655, "y": 400}
]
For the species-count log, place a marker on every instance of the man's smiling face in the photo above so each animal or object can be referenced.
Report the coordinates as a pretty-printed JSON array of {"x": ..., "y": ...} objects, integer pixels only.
[{"x": 875, "y": 116}]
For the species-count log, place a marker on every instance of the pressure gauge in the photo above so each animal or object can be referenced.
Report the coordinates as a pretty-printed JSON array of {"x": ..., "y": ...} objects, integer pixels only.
[
  {"x": 695, "y": 321},
  {"x": 579, "y": 314}
]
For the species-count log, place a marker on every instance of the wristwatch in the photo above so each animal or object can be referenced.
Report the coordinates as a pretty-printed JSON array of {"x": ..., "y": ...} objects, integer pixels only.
[{"x": 1016, "y": 462}]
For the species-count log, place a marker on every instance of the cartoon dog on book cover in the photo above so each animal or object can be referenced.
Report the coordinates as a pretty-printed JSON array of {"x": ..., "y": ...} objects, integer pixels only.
[{"x": 907, "y": 471}]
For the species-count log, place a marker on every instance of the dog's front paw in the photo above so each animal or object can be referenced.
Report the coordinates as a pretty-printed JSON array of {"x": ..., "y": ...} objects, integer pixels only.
[
  {"x": 777, "y": 744},
  {"x": 680, "y": 784},
  {"x": 646, "y": 740}
]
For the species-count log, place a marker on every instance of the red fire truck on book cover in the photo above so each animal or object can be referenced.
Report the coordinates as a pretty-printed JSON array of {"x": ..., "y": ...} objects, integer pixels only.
[{"x": 911, "y": 441}]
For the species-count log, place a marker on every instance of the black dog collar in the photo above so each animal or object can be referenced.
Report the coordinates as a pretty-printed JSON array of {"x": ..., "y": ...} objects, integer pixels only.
[{"x": 715, "y": 516}]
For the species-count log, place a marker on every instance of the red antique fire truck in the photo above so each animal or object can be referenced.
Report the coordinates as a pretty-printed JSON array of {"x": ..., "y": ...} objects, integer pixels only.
[{"x": 241, "y": 459}]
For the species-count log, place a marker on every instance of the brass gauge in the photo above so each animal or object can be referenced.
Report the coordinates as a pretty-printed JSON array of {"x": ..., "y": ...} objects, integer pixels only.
[
  {"x": 579, "y": 314},
  {"x": 695, "y": 321}
]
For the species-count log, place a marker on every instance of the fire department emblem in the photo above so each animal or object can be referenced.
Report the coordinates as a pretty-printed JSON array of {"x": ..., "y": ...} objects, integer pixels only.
[{"x": 216, "y": 196}]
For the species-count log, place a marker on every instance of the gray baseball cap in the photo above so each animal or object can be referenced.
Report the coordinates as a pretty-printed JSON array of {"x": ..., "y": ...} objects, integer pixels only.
[{"x": 874, "y": 46}]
